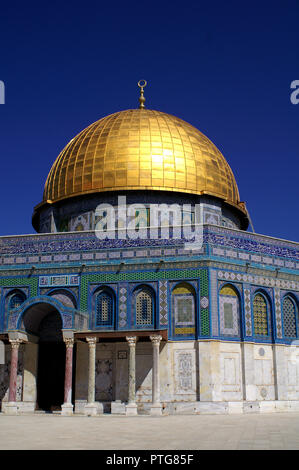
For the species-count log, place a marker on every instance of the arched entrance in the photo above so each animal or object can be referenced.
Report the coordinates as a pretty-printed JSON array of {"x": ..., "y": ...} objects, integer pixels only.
[{"x": 44, "y": 321}]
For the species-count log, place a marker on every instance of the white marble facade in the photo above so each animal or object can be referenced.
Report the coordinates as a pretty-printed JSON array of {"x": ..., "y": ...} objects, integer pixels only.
[
  {"x": 195, "y": 377},
  {"x": 199, "y": 376}
]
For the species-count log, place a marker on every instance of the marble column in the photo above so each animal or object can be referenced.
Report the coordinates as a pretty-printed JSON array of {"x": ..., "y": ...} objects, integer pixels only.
[
  {"x": 91, "y": 408},
  {"x": 156, "y": 408},
  {"x": 11, "y": 406},
  {"x": 67, "y": 407},
  {"x": 131, "y": 407}
]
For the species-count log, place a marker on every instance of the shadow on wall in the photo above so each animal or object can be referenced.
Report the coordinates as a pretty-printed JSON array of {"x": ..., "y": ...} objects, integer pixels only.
[{"x": 144, "y": 365}]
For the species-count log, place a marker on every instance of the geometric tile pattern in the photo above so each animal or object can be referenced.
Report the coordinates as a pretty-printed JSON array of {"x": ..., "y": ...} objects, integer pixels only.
[
  {"x": 183, "y": 308},
  {"x": 213, "y": 302},
  {"x": 163, "y": 303},
  {"x": 247, "y": 310},
  {"x": 204, "y": 312},
  {"x": 147, "y": 276},
  {"x": 144, "y": 307},
  {"x": 122, "y": 305},
  {"x": 289, "y": 318},
  {"x": 260, "y": 280},
  {"x": 31, "y": 282},
  {"x": 229, "y": 317},
  {"x": 260, "y": 316},
  {"x": 104, "y": 309},
  {"x": 204, "y": 302},
  {"x": 278, "y": 312},
  {"x": 268, "y": 295}
]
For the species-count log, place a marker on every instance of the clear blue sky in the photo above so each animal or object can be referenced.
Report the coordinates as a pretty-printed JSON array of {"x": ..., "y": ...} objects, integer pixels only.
[{"x": 225, "y": 67}]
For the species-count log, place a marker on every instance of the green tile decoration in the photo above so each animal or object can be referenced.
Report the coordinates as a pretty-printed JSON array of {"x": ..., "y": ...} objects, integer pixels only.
[
  {"x": 31, "y": 282},
  {"x": 102, "y": 278},
  {"x": 204, "y": 312}
]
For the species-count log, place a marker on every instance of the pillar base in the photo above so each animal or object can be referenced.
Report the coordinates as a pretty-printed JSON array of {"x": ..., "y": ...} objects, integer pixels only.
[
  {"x": 131, "y": 409},
  {"x": 67, "y": 409},
  {"x": 117, "y": 407},
  {"x": 156, "y": 409},
  {"x": 11, "y": 408},
  {"x": 93, "y": 409}
]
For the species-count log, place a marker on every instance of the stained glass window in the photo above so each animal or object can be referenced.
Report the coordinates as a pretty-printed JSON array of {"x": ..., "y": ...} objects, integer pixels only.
[
  {"x": 104, "y": 311},
  {"x": 260, "y": 315},
  {"x": 289, "y": 317},
  {"x": 144, "y": 307}
]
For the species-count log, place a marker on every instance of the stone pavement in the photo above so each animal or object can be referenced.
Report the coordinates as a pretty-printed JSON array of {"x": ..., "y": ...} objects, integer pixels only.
[{"x": 176, "y": 432}]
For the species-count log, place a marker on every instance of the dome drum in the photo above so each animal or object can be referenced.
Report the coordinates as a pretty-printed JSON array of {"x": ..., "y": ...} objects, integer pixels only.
[{"x": 79, "y": 213}]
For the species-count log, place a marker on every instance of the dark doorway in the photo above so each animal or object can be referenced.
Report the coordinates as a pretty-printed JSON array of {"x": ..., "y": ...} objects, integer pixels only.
[
  {"x": 50, "y": 378},
  {"x": 51, "y": 363}
]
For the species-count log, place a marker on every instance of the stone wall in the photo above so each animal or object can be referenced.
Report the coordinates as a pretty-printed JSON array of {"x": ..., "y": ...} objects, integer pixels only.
[{"x": 194, "y": 371}]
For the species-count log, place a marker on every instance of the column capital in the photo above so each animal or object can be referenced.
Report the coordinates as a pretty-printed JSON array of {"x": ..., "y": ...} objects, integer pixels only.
[
  {"x": 91, "y": 340},
  {"x": 15, "y": 343},
  {"x": 156, "y": 339},
  {"x": 69, "y": 342},
  {"x": 132, "y": 340}
]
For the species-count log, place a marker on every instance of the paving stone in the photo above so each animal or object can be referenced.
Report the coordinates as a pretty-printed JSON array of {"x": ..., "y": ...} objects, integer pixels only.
[{"x": 174, "y": 432}]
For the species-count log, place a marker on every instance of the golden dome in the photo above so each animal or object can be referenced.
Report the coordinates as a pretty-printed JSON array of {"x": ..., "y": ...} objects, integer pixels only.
[{"x": 141, "y": 149}]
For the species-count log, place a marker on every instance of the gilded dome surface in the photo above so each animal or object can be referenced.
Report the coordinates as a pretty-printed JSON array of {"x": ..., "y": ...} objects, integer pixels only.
[{"x": 141, "y": 149}]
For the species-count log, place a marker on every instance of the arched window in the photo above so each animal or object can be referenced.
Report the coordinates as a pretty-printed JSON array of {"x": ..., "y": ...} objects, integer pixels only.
[
  {"x": 144, "y": 307},
  {"x": 16, "y": 300},
  {"x": 260, "y": 315},
  {"x": 289, "y": 317},
  {"x": 229, "y": 310},
  {"x": 183, "y": 308},
  {"x": 104, "y": 309}
]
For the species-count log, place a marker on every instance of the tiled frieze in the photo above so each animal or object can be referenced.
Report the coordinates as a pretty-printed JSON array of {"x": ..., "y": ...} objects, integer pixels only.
[
  {"x": 258, "y": 280},
  {"x": 61, "y": 280},
  {"x": 224, "y": 242}
]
